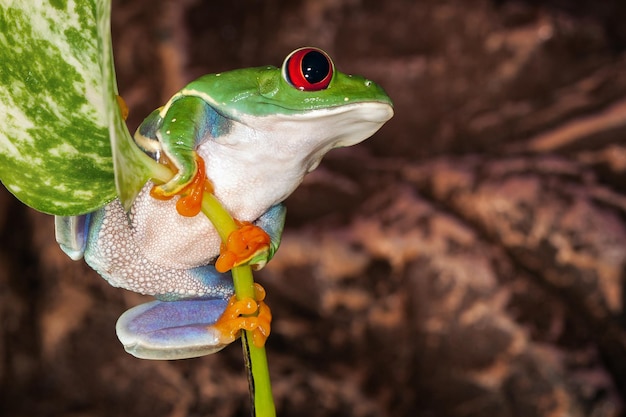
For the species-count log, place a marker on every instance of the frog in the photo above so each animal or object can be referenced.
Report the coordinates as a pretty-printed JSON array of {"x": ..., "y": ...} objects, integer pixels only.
[{"x": 248, "y": 136}]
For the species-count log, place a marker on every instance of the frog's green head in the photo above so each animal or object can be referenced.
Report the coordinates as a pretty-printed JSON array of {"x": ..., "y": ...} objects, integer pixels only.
[
  {"x": 306, "y": 82},
  {"x": 307, "y": 92}
]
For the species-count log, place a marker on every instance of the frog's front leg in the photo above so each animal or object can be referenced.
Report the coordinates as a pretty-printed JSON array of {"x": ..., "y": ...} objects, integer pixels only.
[{"x": 184, "y": 123}]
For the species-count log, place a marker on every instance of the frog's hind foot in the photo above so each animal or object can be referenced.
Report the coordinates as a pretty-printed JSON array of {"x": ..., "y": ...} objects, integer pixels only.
[
  {"x": 165, "y": 330},
  {"x": 248, "y": 314}
]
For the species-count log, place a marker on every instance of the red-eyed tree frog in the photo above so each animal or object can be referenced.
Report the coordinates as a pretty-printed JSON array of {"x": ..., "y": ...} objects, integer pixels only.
[{"x": 253, "y": 134}]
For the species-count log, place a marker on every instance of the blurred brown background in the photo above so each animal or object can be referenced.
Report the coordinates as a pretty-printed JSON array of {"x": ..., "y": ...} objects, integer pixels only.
[{"x": 469, "y": 260}]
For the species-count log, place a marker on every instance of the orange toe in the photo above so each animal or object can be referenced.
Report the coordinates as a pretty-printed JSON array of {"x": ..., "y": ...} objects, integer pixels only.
[
  {"x": 190, "y": 201},
  {"x": 242, "y": 245},
  {"x": 247, "y": 314}
]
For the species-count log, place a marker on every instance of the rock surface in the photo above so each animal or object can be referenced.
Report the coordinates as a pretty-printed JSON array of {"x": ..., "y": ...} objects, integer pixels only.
[{"x": 469, "y": 260}]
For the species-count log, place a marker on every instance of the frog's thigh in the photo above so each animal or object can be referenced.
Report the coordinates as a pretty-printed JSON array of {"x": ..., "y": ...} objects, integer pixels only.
[{"x": 118, "y": 256}]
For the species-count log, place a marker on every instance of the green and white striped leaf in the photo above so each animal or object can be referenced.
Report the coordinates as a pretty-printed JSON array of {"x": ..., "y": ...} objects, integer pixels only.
[{"x": 59, "y": 118}]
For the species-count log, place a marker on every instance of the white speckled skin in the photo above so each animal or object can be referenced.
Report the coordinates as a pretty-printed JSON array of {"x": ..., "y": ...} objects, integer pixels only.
[
  {"x": 114, "y": 254},
  {"x": 167, "y": 238}
]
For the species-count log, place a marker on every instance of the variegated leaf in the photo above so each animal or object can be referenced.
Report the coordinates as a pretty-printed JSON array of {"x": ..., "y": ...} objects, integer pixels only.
[{"x": 58, "y": 109}]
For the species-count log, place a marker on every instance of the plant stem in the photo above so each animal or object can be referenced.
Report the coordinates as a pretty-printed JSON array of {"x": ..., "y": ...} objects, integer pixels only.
[{"x": 243, "y": 280}]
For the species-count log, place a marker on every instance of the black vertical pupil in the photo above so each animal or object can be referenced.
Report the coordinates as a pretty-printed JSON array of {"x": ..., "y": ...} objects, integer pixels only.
[{"x": 315, "y": 67}]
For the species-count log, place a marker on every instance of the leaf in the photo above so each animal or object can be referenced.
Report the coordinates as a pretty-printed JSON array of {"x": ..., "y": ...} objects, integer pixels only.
[{"x": 60, "y": 118}]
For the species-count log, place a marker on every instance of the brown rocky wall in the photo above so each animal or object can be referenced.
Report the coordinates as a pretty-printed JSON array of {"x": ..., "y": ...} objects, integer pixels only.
[{"x": 467, "y": 261}]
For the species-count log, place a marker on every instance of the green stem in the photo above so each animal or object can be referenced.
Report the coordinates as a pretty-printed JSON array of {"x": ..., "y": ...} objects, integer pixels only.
[
  {"x": 217, "y": 214},
  {"x": 256, "y": 359}
]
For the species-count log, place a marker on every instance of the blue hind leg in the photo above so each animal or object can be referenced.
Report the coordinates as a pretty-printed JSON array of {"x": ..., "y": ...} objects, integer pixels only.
[
  {"x": 172, "y": 329},
  {"x": 179, "y": 325},
  {"x": 175, "y": 328}
]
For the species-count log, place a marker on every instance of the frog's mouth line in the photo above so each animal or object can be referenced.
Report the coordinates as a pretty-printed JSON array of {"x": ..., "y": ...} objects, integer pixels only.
[{"x": 372, "y": 111}]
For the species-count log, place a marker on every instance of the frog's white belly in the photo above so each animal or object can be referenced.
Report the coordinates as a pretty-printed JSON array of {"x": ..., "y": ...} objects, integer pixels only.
[
  {"x": 169, "y": 239},
  {"x": 246, "y": 187}
]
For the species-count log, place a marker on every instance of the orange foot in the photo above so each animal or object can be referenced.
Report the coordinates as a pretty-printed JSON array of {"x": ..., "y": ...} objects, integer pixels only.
[
  {"x": 248, "y": 314},
  {"x": 190, "y": 201},
  {"x": 247, "y": 245}
]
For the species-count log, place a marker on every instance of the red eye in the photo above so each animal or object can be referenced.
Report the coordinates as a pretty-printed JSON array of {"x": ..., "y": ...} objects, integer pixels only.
[{"x": 308, "y": 69}]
